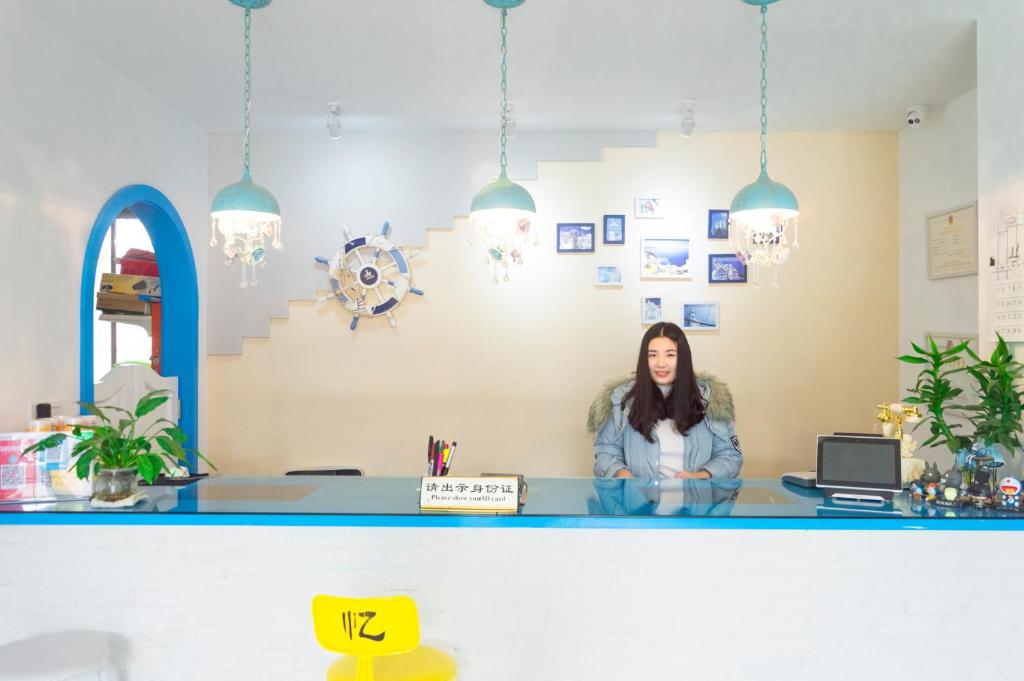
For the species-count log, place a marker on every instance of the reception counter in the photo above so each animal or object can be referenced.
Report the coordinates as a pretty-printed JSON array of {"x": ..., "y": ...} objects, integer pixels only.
[
  {"x": 592, "y": 579},
  {"x": 551, "y": 502}
]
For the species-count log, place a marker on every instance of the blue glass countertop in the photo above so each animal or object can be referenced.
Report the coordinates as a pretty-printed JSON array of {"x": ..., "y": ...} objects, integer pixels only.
[{"x": 551, "y": 502}]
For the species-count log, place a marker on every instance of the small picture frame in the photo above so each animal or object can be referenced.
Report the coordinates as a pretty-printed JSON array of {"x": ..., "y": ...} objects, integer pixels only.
[
  {"x": 650, "y": 309},
  {"x": 614, "y": 229},
  {"x": 718, "y": 224},
  {"x": 608, "y": 275},
  {"x": 667, "y": 258},
  {"x": 946, "y": 340},
  {"x": 726, "y": 268},
  {"x": 575, "y": 237},
  {"x": 649, "y": 206},
  {"x": 700, "y": 316}
]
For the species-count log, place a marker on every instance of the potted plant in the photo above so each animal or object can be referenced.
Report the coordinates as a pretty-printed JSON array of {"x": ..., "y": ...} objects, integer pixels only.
[
  {"x": 117, "y": 453},
  {"x": 935, "y": 392},
  {"x": 997, "y": 415}
]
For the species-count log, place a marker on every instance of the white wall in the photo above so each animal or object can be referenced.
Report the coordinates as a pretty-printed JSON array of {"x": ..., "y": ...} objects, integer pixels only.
[
  {"x": 72, "y": 132},
  {"x": 938, "y": 166},
  {"x": 1000, "y": 140},
  {"x": 509, "y": 370},
  {"x": 417, "y": 180}
]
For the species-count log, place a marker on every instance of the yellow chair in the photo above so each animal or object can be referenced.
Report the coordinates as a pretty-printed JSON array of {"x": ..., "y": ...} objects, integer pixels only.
[{"x": 387, "y": 629}]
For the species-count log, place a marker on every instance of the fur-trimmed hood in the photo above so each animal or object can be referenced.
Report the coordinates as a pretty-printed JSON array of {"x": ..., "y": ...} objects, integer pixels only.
[{"x": 716, "y": 395}]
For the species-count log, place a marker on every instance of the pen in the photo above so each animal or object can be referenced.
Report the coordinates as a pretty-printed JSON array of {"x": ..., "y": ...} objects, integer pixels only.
[
  {"x": 448, "y": 462},
  {"x": 430, "y": 455},
  {"x": 437, "y": 457}
]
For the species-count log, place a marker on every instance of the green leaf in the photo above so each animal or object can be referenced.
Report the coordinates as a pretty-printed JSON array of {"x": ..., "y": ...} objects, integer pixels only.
[
  {"x": 146, "y": 405},
  {"x": 911, "y": 359},
  {"x": 48, "y": 442},
  {"x": 177, "y": 434},
  {"x": 95, "y": 411},
  {"x": 146, "y": 469}
]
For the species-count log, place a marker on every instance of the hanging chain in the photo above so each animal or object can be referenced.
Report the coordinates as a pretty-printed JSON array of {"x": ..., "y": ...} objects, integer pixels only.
[
  {"x": 248, "y": 91},
  {"x": 764, "y": 87},
  {"x": 503, "y": 104}
]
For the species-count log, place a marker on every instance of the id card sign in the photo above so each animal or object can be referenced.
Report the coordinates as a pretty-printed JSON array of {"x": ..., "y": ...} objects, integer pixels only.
[{"x": 482, "y": 495}]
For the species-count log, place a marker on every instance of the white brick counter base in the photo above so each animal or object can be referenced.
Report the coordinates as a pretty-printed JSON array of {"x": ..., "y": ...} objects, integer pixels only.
[{"x": 232, "y": 603}]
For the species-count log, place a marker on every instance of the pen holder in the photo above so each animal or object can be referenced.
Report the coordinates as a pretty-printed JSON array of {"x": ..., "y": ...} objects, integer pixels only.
[{"x": 440, "y": 454}]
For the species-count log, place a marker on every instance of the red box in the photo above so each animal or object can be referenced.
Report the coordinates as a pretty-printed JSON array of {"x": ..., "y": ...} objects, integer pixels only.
[{"x": 140, "y": 262}]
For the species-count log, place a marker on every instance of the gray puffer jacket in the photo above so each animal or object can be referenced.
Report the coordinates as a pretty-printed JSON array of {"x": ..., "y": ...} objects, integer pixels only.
[{"x": 711, "y": 444}]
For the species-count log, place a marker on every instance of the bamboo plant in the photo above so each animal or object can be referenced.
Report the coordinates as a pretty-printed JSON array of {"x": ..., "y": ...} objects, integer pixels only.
[{"x": 936, "y": 393}]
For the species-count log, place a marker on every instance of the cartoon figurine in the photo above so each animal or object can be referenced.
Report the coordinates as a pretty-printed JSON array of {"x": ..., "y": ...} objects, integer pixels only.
[
  {"x": 1009, "y": 495},
  {"x": 931, "y": 473}
]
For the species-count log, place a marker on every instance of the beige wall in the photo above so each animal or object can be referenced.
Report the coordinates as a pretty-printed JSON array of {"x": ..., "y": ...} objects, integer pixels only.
[{"x": 509, "y": 371}]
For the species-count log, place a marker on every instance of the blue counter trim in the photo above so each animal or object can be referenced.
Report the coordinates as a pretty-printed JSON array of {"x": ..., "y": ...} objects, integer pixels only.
[{"x": 538, "y": 522}]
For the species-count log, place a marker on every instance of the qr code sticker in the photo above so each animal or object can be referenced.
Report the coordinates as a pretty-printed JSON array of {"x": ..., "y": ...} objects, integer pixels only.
[{"x": 12, "y": 476}]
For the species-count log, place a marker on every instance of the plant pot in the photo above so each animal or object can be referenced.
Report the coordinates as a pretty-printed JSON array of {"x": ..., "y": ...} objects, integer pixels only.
[{"x": 115, "y": 484}]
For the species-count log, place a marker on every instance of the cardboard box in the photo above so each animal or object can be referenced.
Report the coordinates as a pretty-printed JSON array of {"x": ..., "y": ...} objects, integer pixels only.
[
  {"x": 121, "y": 302},
  {"x": 130, "y": 284}
]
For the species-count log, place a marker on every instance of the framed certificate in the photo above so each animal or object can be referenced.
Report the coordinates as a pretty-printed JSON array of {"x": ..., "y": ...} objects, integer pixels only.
[{"x": 953, "y": 242}]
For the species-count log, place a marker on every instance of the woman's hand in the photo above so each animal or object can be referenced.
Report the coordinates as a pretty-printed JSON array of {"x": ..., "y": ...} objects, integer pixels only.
[
  {"x": 624, "y": 473},
  {"x": 699, "y": 475}
]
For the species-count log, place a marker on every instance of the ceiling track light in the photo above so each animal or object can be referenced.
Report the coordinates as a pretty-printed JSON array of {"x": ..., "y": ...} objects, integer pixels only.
[
  {"x": 334, "y": 120},
  {"x": 689, "y": 119}
]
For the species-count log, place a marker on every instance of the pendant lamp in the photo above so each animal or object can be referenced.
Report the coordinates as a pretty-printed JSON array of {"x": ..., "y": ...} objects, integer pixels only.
[
  {"x": 244, "y": 212},
  {"x": 764, "y": 212},
  {"x": 502, "y": 211}
]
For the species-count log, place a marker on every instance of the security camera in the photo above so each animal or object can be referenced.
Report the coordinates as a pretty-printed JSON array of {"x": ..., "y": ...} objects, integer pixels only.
[{"x": 916, "y": 115}]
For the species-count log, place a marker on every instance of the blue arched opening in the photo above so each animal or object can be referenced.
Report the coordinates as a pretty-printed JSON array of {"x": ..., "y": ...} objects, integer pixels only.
[{"x": 179, "y": 338}]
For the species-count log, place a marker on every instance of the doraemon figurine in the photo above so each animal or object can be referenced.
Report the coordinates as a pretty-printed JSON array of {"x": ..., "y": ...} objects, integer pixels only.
[{"x": 1008, "y": 498}]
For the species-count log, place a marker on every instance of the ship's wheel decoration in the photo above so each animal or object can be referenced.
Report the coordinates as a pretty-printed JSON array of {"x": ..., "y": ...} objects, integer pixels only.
[{"x": 369, "y": 276}]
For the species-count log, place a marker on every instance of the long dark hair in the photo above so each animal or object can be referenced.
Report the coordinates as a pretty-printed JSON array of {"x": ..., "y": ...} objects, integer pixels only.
[{"x": 647, "y": 405}]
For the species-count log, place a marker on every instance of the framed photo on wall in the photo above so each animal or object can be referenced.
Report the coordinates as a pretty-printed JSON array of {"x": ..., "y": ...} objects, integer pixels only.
[
  {"x": 651, "y": 206},
  {"x": 718, "y": 224},
  {"x": 665, "y": 258},
  {"x": 650, "y": 310},
  {"x": 575, "y": 237},
  {"x": 947, "y": 340},
  {"x": 726, "y": 268},
  {"x": 608, "y": 275},
  {"x": 700, "y": 316},
  {"x": 953, "y": 242},
  {"x": 614, "y": 229}
]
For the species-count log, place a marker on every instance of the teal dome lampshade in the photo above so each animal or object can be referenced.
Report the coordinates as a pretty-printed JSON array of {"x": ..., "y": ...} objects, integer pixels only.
[
  {"x": 244, "y": 199},
  {"x": 764, "y": 197},
  {"x": 764, "y": 213},
  {"x": 502, "y": 196},
  {"x": 245, "y": 213},
  {"x": 501, "y": 212}
]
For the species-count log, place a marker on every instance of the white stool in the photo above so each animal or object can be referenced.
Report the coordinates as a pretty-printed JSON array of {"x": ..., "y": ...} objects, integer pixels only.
[{"x": 62, "y": 656}]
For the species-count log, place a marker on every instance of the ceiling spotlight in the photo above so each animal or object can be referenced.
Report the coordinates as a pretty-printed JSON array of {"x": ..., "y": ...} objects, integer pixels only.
[
  {"x": 689, "y": 119},
  {"x": 334, "y": 120}
]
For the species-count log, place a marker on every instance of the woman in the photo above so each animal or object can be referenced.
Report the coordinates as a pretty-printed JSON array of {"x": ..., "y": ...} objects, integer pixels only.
[{"x": 668, "y": 422}]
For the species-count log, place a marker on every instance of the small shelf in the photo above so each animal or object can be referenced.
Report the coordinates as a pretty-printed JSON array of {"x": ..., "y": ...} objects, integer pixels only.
[{"x": 145, "y": 321}]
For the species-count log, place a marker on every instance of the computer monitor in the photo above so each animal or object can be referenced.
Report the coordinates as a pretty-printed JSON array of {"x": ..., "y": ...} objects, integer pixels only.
[{"x": 858, "y": 466}]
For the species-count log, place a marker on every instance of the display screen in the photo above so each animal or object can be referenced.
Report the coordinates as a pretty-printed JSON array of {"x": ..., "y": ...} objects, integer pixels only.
[{"x": 859, "y": 462}]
